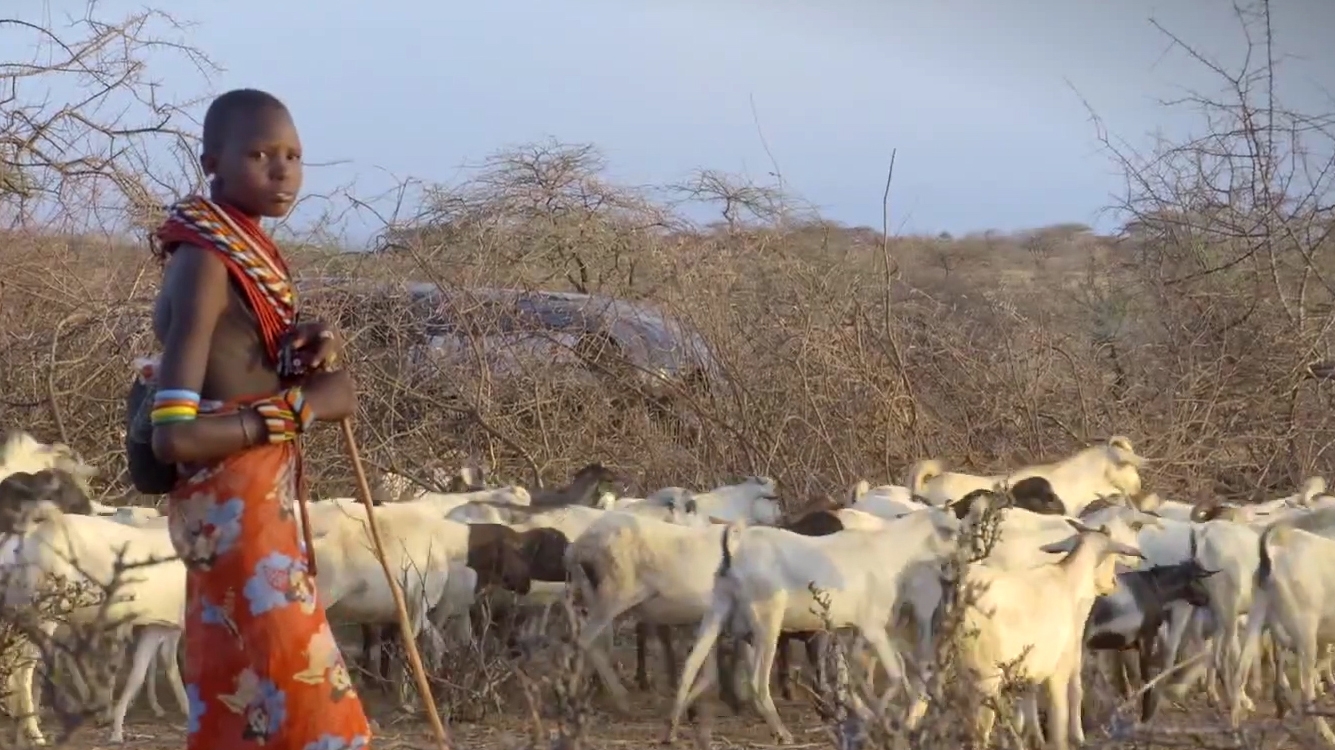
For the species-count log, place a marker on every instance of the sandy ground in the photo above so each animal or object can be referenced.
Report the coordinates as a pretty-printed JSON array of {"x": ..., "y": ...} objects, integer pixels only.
[{"x": 643, "y": 728}]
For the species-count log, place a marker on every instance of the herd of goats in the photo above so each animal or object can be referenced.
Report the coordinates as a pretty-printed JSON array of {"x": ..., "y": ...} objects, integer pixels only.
[{"x": 1083, "y": 561}]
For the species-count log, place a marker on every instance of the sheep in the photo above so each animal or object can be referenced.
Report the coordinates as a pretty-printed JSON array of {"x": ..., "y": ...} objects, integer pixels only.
[
  {"x": 1035, "y": 618},
  {"x": 1132, "y": 615},
  {"x": 753, "y": 499},
  {"x": 768, "y": 575},
  {"x": 1294, "y": 599},
  {"x": 93, "y": 551},
  {"x": 1105, "y": 469}
]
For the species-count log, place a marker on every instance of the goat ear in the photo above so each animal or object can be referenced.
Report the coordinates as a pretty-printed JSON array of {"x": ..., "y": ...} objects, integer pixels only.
[
  {"x": 1061, "y": 548},
  {"x": 717, "y": 521},
  {"x": 1117, "y": 548},
  {"x": 858, "y": 492},
  {"x": 1079, "y": 527},
  {"x": 1150, "y": 519}
]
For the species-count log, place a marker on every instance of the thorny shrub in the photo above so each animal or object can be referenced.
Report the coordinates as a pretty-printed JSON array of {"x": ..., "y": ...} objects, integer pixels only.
[{"x": 67, "y": 630}]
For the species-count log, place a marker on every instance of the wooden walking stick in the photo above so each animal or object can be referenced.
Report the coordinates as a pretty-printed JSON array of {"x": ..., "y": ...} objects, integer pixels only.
[{"x": 405, "y": 627}]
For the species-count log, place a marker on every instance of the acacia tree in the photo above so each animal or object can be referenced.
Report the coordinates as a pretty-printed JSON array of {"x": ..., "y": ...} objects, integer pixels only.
[
  {"x": 1233, "y": 282},
  {"x": 87, "y": 135}
]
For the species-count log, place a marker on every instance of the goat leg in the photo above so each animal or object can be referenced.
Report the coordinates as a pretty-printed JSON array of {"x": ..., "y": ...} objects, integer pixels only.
[
  {"x": 782, "y": 667},
  {"x": 725, "y": 656},
  {"x": 641, "y": 646},
  {"x": 669, "y": 654},
  {"x": 1149, "y": 700}
]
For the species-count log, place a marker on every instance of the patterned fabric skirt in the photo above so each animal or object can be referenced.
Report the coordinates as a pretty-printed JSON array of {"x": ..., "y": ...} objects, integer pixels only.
[{"x": 262, "y": 669}]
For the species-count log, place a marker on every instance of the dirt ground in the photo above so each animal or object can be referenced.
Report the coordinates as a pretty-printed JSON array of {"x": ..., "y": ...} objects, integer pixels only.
[{"x": 643, "y": 728}]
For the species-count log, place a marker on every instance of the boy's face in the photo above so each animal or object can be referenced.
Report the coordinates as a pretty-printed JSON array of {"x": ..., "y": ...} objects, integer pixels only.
[{"x": 259, "y": 166}]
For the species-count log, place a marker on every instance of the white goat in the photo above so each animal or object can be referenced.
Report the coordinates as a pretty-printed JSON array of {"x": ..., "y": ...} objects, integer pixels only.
[
  {"x": 144, "y": 518},
  {"x": 1293, "y": 599},
  {"x": 661, "y": 573},
  {"x": 1100, "y": 470},
  {"x": 572, "y": 521},
  {"x": 1312, "y": 494},
  {"x": 93, "y": 551},
  {"x": 420, "y": 545},
  {"x": 1023, "y": 535},
  {"x": 444, "y": 502},
  {"x": 752, "y": 500},
  {"x": 22, "y": 452},
  {"x": 1169, "y": 509},
  {"x": 1035, "y": 618},
  {"x": 886, "y": 501},
  {"x": 767, "y": 577}
]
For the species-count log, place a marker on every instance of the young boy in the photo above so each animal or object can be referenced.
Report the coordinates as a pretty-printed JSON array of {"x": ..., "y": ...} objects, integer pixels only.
[{"x": 262, "y": 667}]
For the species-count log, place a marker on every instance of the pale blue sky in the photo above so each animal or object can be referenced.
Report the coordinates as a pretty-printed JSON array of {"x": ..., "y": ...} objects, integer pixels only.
[{"x": 972, "y": 93}]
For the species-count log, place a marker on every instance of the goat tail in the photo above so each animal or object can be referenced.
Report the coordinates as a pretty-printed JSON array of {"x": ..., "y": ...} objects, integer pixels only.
[
  {"x": 923, "y": 472},
  {"x": 732, "y": 537},
  {"x": 583, "y": 576},
  {"x": 1265, "y": 566}
]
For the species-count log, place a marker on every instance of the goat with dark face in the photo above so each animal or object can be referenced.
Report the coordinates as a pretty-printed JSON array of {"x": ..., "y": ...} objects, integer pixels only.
[
  {"x": 1036, "y": 494},
  {"x": 497, "y": 553},
  {"x": 582, "y": 490},
  {"x": 1033, "y": 494},
  {"x": 502, "y": 557},
  {"x": 21, "y": 491},
  {"x": 1130, "y": 617}
]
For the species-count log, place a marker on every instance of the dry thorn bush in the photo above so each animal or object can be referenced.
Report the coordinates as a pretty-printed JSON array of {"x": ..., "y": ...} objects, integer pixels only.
[
  {"x": 65, "y": 630},
  {"x": 810, "y": 352}
]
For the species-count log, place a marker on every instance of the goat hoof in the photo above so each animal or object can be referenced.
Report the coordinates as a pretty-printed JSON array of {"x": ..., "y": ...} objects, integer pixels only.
[{"x": 784, "y": 738}]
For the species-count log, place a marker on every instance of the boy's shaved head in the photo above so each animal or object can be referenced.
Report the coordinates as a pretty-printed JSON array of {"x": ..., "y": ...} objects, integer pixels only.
[
  {"x": 252, "y": 153},
  {"x": 220, "y": 119}
]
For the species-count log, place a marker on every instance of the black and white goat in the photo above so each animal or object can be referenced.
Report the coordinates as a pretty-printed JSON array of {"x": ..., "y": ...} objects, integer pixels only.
[{"x": 1129, "y": 619}]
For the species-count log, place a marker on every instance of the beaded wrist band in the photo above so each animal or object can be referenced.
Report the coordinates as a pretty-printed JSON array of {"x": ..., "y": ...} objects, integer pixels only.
[
  {"x": 286, "y": 415},
  {"x": 174, "y": 405}
]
